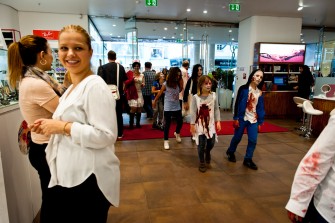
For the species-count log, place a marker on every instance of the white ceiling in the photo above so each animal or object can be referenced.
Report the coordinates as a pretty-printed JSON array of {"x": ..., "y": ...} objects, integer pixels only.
[{"x": 106, "y": 13}]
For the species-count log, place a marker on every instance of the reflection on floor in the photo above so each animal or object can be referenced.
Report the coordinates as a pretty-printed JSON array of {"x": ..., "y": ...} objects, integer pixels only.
[{"x": 159, "y": 186}]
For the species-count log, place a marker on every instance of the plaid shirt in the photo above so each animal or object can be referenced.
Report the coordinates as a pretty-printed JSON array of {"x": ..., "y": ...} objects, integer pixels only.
[{"x": 149, "y": 77}]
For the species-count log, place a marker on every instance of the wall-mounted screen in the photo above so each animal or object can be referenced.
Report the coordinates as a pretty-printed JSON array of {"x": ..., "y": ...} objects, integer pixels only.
[
  {"x": 280, "y": 80},
  {"x": 281, "y": 53}
]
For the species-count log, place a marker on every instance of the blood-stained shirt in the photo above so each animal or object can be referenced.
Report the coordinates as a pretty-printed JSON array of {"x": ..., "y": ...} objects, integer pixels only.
[
  {"x": 316, "y": 176},
  {"x": 250, "y": 112}
]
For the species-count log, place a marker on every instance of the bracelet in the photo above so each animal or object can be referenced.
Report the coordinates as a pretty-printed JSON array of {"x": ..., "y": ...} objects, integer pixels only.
[{"x": 64, "y": 132}]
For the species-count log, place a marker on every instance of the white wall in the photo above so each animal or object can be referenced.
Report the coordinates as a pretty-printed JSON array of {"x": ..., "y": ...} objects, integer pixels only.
[
  {"x": 30, "y": 21},
  {"x": 8, "y": 18}
]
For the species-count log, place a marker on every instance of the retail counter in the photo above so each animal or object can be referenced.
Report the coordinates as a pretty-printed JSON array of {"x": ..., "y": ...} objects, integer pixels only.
[
  {"x": 280, "y": 104},
  {"x": 19, "y": 180},
  {"x": 320, "y": 121}
]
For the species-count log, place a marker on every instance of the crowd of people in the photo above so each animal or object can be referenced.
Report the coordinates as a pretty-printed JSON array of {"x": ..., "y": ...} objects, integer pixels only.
[{"x": 75, "y": 126}]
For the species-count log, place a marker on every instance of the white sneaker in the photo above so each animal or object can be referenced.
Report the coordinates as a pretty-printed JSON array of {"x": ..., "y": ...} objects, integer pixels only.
[
  {"x": 178, "y": 139},
  {"x": 166, "y": 144}
]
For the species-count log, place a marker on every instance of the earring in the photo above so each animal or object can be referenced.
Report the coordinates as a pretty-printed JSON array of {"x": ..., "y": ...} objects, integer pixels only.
[{"x": 43, "y": 62}]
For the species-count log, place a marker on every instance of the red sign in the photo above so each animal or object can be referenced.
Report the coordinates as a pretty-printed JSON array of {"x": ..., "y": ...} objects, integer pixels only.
[{"x": 48, "y": 34}]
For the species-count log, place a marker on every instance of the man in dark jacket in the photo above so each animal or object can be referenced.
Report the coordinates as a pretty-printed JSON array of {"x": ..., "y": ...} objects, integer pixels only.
[
  {"x": 108, "y": 72},
  {"x": 149, "y": 76},
  {"x": 248, "y": 114}
]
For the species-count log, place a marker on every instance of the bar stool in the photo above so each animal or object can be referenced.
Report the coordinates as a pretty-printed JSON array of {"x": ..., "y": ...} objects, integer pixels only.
[
  {"x": 310, "y": 111},
  {"x": 299, "y": 101},
  {"x": 332, "y": 112}
]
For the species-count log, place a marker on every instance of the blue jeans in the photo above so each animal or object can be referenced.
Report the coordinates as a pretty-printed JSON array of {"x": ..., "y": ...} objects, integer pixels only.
[
  {"x": 252, "y": 131},
  {"x": 205, "y": 153},
  {"x": 167, "y": 117}
]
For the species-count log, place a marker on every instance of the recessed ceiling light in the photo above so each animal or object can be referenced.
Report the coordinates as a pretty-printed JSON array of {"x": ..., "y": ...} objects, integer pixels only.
[
  {"x": 301, "y": 34},
  {"x": 300, "y": 8},
  {"x": 191, "y": 37},
  {"x": 111, "y": 34},
  {"x": 230, "y": 30},
  {"x": 114, "y": 25},
  {"x": 164, "y": 37},
  {"x": 188, "y": 10},
  {"x": 232, "y": 39},
  {"x": 165, "y": 28},
  {"x": 176, "y": 27},
  {"x": 205, "y": 11},
  {"x": 172, "y": 37}
]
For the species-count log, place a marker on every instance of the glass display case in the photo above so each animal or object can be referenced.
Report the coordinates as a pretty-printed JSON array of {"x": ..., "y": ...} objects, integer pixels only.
[{"x": 8, "y": 96}]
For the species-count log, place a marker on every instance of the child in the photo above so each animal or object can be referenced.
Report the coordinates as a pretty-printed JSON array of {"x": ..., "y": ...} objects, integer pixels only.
[
  {"x": 159, "y": 109},
  {"x": 205, "y": 114},
  {"x": 172, "y": 87},
  {"x": 248, "y": 114}
]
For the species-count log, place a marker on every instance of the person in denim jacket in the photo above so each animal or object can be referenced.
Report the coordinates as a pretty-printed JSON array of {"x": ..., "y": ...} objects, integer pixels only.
[{"x": 248, "y": 114}]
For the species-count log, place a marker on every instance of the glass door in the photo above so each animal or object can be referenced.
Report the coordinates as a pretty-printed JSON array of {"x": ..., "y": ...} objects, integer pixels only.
[{"x": 132, "y": 40}]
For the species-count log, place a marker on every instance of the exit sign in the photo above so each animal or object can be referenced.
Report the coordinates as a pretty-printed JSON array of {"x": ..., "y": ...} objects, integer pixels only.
[
  {"x": 151, "y": 3},
  {"x": 234, "y": 7}
]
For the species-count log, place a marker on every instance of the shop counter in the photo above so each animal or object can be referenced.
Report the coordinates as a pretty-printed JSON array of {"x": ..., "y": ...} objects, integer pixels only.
[
  {"x": 320, "y": 121},
  {"x": 280, "y": 104}
]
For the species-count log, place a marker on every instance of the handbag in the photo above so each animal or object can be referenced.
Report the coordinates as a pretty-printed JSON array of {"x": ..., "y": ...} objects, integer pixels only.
[
  {"x": 24, "y": 137},
  {"x": 114, "y": 88}
]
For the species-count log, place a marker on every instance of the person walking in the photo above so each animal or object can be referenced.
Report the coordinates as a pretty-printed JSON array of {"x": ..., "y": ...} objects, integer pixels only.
[
  {"x": 149, "y": 77},
  {"x": 85, "y": 172},
  {"x": 184, "y": 74},
  {"x": 114, "y": 73},
  {"x": 205, "y": 115},
  {"x": 172, "y": 87},
  {"x": 248, "y": 114}
]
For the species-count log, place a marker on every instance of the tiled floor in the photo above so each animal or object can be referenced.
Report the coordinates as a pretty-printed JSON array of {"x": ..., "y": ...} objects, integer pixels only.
[{"x": 159, "y": 186}]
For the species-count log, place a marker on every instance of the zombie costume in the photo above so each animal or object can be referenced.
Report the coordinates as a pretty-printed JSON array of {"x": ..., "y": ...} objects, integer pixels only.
[
  {"x": 204, "y": 113},
  {"x": 314, "y": 181},
  {"x": 249, "y": 111}
]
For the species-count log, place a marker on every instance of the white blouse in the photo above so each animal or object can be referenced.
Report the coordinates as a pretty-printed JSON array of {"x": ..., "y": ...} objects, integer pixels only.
[{"x": 90, "y": 148}]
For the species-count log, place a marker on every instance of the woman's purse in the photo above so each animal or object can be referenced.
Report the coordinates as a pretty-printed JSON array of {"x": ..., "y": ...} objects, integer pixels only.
[{"x": 24, "y": 137}]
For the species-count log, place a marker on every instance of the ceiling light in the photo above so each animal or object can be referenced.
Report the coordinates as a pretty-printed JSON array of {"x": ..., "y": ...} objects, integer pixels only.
[
  {"x": 188, "y": 10},
  {"x": 172, "y": 37},
  {"x": 175, "y": 27},
  {"x": 164, "y": 37},
  {"x": 301, "y": 34},
  {"x": 230, "y": 30},
  {"x": 165, "y": 28},
  {"x": 111, "y": 34},
  {"x": 232, "y": 39},
  {"x": 114, "y": 25},
  {"x": 300, "y": 8},
  {"x": 205, "y": 11}
]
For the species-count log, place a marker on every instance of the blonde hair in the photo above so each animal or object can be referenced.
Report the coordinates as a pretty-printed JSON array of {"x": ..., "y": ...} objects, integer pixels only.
[
  {"x": 78, "y": 29},
  {"x": 201, "y": 81},
  {"x": 23, "y": 54}
]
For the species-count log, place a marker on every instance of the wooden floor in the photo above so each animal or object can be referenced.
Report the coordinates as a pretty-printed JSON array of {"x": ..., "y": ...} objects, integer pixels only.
[{"x": 159, "y": 186}]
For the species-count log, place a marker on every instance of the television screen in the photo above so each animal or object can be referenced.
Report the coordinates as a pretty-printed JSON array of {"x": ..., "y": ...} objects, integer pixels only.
[
  {"x": 281, "y": 53},
  {"x": 280, "y": 80}
]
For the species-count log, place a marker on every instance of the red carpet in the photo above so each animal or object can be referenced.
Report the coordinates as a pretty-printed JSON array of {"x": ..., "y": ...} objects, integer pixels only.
[{"x": 147, "y": 132}]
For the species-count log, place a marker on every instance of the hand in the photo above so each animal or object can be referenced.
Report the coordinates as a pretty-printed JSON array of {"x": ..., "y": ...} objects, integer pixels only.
[
  {"x": 236, "y": 124},
  {"x": 154, "y": 103},
  {"x": 293, "y": 217},
  {"x": 186, "y": 106},
  {"x": 259, "y": 128},
  {"x": 192, "y": 129},
  {"x": 218, "y": 126},
  {"x": 48, "y": 126}
]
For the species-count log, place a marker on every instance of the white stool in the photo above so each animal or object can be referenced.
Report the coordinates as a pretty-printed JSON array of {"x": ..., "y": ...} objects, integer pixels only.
[
  {"x": 299, "y": 101},
  {"x": 332, "y": 112},
  {"x": 310, "y": 111}
]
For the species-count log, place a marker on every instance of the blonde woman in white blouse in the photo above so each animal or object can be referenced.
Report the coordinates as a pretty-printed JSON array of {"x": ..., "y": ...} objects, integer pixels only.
[{"x": 85, "y": 174}]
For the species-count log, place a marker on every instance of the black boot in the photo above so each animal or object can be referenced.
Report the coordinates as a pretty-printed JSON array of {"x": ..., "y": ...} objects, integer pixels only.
[
  {"x": 138, "y": 120},
  {"x": 131, "y": 120}
]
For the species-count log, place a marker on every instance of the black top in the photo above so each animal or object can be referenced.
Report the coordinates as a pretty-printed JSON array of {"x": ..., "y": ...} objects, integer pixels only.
[{"x": 108, "y": 73}]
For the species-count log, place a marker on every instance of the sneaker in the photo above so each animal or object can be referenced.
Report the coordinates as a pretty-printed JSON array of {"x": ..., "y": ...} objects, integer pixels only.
[
  {"x": 193, "y": 138},
  {"x": 166, "y": 144},
  {"x": 248, "y": 163},
  {"x": 119, "y": 137},
  {"x": 178, "y": 139},
  {"x": 202, "y": 167},
  {"x": 231, "y": 157}
]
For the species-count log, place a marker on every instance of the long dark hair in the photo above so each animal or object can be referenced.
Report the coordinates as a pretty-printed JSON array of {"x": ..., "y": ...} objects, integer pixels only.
[
  {"x": 194, "y": 75},
  {"x": 173, "y": 77},
  {"x": 252, "y": 75}
]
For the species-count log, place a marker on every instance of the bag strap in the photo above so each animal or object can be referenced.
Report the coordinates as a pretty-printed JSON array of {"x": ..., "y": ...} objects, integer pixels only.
[
  {"x": 190, "y": 91},
  {"x": 117, "y": 74}
]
